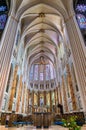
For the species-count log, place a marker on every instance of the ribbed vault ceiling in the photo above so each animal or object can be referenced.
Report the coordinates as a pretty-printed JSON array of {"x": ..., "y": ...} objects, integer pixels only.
[{"x": 41, "y": 25}]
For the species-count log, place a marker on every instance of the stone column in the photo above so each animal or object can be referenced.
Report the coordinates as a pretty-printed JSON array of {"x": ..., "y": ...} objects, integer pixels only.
[
  {"x": 70, "y": 85},
  {"x": 64, "y": 96},
  {"x": 22, "y": 101},
  {"x": 59, "y": 94},
  {"x": 79, "y": 56},
  {"x": 38, "y": 99},
  {"x": 25, "y": 90},
  {"x": 55, "y": 96},
  {"x": 23, "y": 96},
  {"x": 32, "y": 101},
  {"x": 13, "y": 89},
  {"x": 19, "y": 94},
  {"x": 28, "y": 101},
  {"x": 6, "y": 49},
  {"x": 44, "y": 98},
  {"x": 57, "y": 99},
  {"x": 50, "y": 101}
]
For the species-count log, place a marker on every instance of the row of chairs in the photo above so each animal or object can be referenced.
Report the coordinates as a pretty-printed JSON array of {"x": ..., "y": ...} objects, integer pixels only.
[{"x": 17, "y": 123}]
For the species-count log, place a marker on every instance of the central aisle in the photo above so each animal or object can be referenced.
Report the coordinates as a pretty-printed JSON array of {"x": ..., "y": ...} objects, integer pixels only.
[{"x": 32, "y": 128}]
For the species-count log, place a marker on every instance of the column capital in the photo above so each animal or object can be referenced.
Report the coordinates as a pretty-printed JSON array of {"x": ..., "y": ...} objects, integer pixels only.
[
  {"x": 69, "y": 18},
  {"x": 14, "y": 18}
]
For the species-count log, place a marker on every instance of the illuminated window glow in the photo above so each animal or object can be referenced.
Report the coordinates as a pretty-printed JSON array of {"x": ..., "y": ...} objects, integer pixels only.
[
  {"x": 51, "y": 72},
  {"x": 3, "y": 8},
  {"x": 81, "y": 7},
  {"x": 36, "y": 72},
  {"x": 81, "y": 20},
  {"x": 31, "y": 73},
  {"x": 47, "y": 72},
  {"x": 3, "y": 18},
  {"x": 40, "y": 72},
  {"x": 41, "y": 76}
]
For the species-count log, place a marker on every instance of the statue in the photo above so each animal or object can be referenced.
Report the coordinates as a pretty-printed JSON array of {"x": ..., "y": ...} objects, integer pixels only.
[
  {"x": 30, "y": 101},
  {"x": 41, "y": 101}
]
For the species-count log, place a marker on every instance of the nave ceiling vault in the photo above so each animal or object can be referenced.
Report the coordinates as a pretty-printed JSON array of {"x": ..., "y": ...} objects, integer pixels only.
[{"x": 41, "y": 27}]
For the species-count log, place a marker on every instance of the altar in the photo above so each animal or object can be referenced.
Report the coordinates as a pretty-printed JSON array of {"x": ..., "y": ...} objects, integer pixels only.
[{"x": 42, "y": 119}]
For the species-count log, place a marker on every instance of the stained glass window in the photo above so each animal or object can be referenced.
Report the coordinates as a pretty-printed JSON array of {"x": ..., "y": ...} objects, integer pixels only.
[
  {"x": 81, "y": 20},
  {"x": 3, "y": 8},
  {"x": 81, "y": 8},
  {"x": 54, "y": 73},
  {"x": 31, "y": 73},
  {"x": 41, "y": 76},
  {"x": 36, "y": 72},
  {"x": 42, "y": 72},
  {"x": 51, "y": 72},
  {"x": 3, "y": 18},
  {"x": 47, "y": 72}
]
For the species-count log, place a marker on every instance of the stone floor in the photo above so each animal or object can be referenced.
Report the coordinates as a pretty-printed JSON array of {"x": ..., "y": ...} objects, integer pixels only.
[{"x": 34, "y": 128}]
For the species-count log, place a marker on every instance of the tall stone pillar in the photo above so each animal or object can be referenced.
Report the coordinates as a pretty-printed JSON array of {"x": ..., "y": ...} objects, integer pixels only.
[
  {"x": 55, "y": 96},
  {"x": 6, "y": 49},
  {"x": 28, "y": 101},
  {"x": 70, "y": 85},
  {"x": 50, "y": 101},
  {"x": 33, "y": 101},
  {"x": 59, "y": 94},
  {"x": 64, "y": 96},
  {"x": 23, "y": 92},
  {"x": 57, "y": 99},
  {"x": 79, "y": 56},
  {"x": 23, "y": 97},
  {"x": 38, "y": 98},
  {"x": 13, "y": 89},
  {"x": 44, "y": 98},
  {"x": 19, "y": 94}
]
